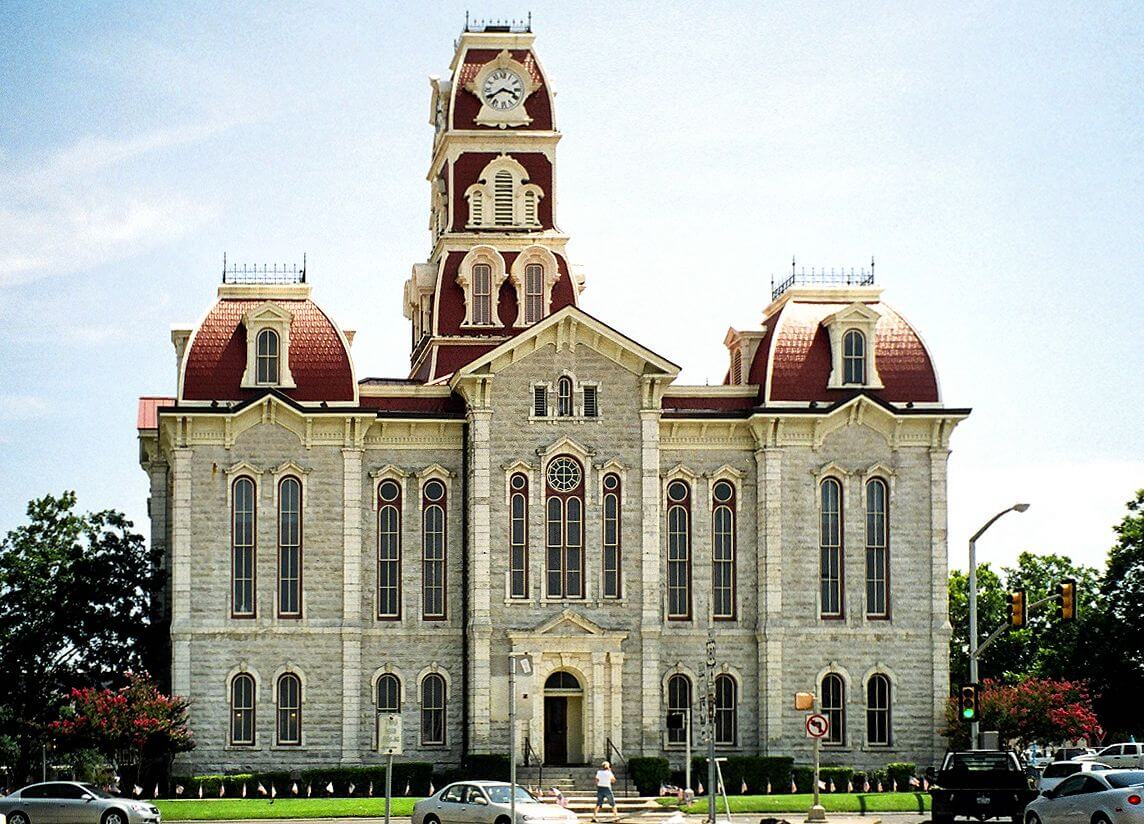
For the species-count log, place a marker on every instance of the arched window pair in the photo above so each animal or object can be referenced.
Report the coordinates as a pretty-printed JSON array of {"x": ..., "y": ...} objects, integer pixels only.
[
  {"x": 723, "y": 549},
  {"x": 288, "y": 710},
  {"x": 564, "y": 528},
  {"x": 878, "y": 696},
  {"x": 433, "y": 550},
  {"x": 243, "y": 542},
  {"x": 831, "y": 580},
  {"x": 679, "y": 700},
  {"x": 432, "y": 704}
]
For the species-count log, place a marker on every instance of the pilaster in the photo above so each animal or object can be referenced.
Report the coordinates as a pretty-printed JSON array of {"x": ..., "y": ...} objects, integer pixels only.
[
  {"x": 939, "y": 552},
  {"x": 181, "y": 570},
  {"x": 479, "y": 559},
  {"x": 651, "y": 619},
  {"x": 616, "y": 692},
  {"x": 601, "y": 730},
  {"x": 768, "y": 462},
  {"x": 351, "y": 604}
]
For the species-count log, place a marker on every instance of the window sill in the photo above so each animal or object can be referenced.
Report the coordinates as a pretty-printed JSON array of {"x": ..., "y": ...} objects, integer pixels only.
[
  {"x": 287, "y": 747},
  {"x": 563, "y": 418},
  {"x": 482, "y": 326},
  {"x": 242, "y": 748}
]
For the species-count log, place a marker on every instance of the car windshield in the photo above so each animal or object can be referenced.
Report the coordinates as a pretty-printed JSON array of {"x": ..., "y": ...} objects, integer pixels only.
[
  {"x": 980, "y": 761},
  {"x": 97, "y": 792},
  {"x": 1057, "y": 770},
  {"x": 499, "y": 795},
  {"x": 1128, "y": 778}
]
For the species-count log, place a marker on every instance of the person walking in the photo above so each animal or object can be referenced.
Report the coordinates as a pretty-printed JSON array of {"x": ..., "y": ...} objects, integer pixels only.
[{"x": 605, "y": 778}]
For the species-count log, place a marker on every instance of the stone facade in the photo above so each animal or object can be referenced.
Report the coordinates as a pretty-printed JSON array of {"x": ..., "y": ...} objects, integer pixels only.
[{"x": 602, "y": 664}]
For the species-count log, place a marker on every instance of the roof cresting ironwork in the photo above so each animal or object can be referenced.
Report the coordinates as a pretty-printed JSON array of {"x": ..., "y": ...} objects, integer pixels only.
[
  {"x": 822, "y": 277},
  {"x": 507, "y": 26},
  {"x": 274, "y": 273}
]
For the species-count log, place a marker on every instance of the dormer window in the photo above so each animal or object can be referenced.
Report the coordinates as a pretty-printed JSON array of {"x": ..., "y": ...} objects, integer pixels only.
[
  {"x": 503, "y": 185},
  {"x": 267, "y": 347},
  {"x": 481, "y": 274},
  {"x": 267, "y": 357},
  {"x": 854, "y": 357}
]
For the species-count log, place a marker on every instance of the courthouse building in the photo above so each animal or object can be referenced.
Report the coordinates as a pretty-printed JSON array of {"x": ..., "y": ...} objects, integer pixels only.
[{"x": 343, "y": 546}]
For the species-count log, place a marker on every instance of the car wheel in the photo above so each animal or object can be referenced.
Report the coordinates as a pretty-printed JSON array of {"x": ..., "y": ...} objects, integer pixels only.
[
  {"x": 432, "y": 819},
  {"x": 114, "y": 817},
  {"x": 1032, "y": 818},
  {"x": 1100, "y": 818},
  {"x": 17, "y": 818},
  {"x": 504, "y": 819}
]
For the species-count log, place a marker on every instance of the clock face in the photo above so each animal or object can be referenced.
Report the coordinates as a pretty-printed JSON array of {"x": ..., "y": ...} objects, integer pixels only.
[{"x": 502, "y": 89}]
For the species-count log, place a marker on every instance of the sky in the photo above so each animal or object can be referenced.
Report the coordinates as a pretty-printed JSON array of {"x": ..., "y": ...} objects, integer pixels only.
[{"x": 988, "y": 156}]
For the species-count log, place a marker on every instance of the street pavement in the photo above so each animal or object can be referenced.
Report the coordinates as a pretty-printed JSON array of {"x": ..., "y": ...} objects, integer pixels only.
[{"x": 739, "y": 818}]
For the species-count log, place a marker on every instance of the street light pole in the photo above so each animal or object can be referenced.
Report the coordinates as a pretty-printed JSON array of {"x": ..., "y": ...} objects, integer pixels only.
[{"x": 974, "y": 726}]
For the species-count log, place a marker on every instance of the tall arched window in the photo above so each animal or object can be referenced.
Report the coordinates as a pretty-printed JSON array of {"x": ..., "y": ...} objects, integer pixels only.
[
  {"x": 564, "y": 538},
  {"x": 433, "y": 710},
  {"x": 533, "y": 292},
  {"x": 726, "y": 711},
  {"x": 242, "y": 548},
  {"x": 482, "y": 293},
  {"x": 564, "y": 396},
  {"x": 854, "y": 357},
  {"x": 518, "y": 535},
  {"x": 678, "y": 702},
  {"x": 678, "y": 551},
  {"x": 433, "y": 550},
  {"x": 878, "y": 711},
  {"x": 830, "y": 549},
  {"x": 289, "y": 709},
  {"x": 877, "y": 550},
  {"x": 834, "y": 708},
  {"x": 267, "y": 357},
  {"x": 502, "y": 198},
  {"x": 723, "y": 551},
  {"x": 389, "y": 550},
  {"x": 388, "y": 695},
  {"x": 242, "y": 710},
  {"x": 290, "y": 548},
  {"x": 612, "y": 550}
]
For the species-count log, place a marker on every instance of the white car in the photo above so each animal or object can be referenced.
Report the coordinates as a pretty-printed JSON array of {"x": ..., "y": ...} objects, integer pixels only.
[
  {"x": 1120, "y": 756},
  {"x": 60, "y": 802},
  {"x": 1109, "y": 797},
  {"x": 486, "y": 802},
  {"x": 1058, "y": 771}
]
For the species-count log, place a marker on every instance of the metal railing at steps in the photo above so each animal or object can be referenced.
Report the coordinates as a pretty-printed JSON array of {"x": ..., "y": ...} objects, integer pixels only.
[
  {"x": 529, "y": 755},
  {"x": 620, "y": 757}
]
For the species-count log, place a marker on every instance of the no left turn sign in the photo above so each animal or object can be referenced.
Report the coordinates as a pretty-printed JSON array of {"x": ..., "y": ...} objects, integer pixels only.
[{"x": 817, "y": 725}]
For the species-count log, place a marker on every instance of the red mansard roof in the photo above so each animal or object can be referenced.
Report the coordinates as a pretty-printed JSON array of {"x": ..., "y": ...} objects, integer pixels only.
[
  {"x": 319, "y": 362},
  {"x": 147, "y": 416}
]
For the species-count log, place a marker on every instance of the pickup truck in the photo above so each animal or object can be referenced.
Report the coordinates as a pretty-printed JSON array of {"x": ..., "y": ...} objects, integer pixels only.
[
  {"x": 980, "y": 784},
  {"x": 1118, "y": 756}
]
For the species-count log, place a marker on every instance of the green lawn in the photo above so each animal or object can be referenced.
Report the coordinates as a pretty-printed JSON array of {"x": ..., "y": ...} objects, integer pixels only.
[
  {"x": 229, "y": 809},
  {"x": 833, "y": 802}
]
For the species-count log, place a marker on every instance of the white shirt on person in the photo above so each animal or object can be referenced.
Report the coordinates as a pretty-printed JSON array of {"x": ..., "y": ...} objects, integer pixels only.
[{"x": 605, "y": 778}]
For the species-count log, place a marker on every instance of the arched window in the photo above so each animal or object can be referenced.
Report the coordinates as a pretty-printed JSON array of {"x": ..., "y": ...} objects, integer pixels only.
[
  {"x": 530, "y": 215},
  {"x": 242, "y": 710},
  {"x": 726, "y": 711},
  {"x": 267, "y": 359},
  {"x": 878, "y": 711},
  {"x": 854, "y": 357},
  {"x": 389, "y": 550},
  {"x": 289, "y": 709},
  {"x": 737, "y": 366},
  {"x": 518, "y": 535},
  {"x": 476, "y": 208},
  {"x": 433, "y": 550},
  {"x": 678, "y": 551},
  {"x": 290, "y": 548},
  {"x": 678, "y": 702},
  {"x": 502, "y": 198},
  {"x": 723, "y": 551},
  {"x": 564, "y": 397},
  {"x": 388, "y": 695},
  {"x": 433, "y": 710},
  {"x": 562, "y": 680},
  {"x": 533, "y": 293},
  {"x": 834, "y": 708},
  {"x": 564, "y": 533},
  {"x": 610, "y": 562},
  {"x": 482, "y": 293},
  {"x": 242, "y": 548},
  {"x": 830, "y": 549},
  {"x": 877, "y": 550}
]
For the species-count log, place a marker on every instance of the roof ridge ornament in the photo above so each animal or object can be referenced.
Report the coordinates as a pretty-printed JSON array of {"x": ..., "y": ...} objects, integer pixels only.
[{"x": 840, "y": 277}]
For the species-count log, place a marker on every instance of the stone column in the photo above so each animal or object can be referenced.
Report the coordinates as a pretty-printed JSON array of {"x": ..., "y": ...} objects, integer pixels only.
[
  {"x": 651, "y": 616},
  {"x": 616, "y": 690},
  {"x": 600, "y": 729},
  {"x": 352, "y": 740},
  {"x": 480, "y": 581},
  {"x": 768, "y": 500},
  {"x": 939, "y": 624},
  {"x": 181, "y": 572}
]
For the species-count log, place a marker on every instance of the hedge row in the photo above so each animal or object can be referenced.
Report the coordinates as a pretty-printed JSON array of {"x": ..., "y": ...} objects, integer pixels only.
[
  {"x": 775, "y": 774},
  {"x": 416, "y": 775}
]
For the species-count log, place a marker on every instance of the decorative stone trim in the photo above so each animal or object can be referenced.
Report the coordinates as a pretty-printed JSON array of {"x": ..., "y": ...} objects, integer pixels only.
[
  {"x": 863, "y": 318},
  {"x": 277, "y": 319},
  {"x": 492, "y": 258},
  {"x": 389, "y": 472},
  {"x": 547, "y": 260}
]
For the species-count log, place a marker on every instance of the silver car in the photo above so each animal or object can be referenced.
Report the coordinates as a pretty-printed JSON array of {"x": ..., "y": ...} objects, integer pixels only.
[
  {"x": 1109, "y": 797},
  {"x": 486, "y": 802},
  {"x": 69, "y": 802},
  {"x": 1058, "y": 771}
]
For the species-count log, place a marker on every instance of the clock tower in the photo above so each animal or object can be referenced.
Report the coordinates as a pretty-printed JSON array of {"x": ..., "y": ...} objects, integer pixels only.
[{"x": 498, "y": 263}]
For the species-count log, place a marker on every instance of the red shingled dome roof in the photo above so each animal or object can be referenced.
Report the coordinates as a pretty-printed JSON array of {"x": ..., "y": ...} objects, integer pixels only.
[{"x": 318, "y": 358}]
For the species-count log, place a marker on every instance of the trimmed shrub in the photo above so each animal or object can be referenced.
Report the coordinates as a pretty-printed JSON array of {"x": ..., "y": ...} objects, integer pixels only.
[
  {"x": 413, "y": 774},
  {"x": 648, "y": 773},
  {"x": 857, "y": 779},
  {"x": 755, "y": 770},
  {"x": 901, "y": 772},
  {"x": 840, "y": 777},
  {"x": 803, "y": 777}
]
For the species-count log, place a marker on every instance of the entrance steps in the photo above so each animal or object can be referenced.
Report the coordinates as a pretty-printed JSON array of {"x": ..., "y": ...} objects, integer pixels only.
[{"x": 571, "y": 781}]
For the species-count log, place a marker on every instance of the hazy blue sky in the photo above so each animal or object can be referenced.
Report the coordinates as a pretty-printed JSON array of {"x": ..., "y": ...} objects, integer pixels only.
[{"x": 989, "y": 155}]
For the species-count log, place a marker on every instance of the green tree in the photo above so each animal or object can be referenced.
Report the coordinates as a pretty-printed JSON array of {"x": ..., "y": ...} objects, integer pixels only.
[
  {"x": 75, "y": 608},
  {"x": 992, "y": 611}
]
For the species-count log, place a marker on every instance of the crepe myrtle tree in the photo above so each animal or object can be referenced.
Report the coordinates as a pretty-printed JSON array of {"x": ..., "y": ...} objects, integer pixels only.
[
  {"x": 77, "y": 609},
  {"x": 1033, "y": 710}
]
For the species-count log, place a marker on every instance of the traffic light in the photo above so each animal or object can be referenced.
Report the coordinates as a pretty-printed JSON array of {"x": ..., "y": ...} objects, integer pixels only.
[
  {"x": 967, "y": 704},
  {"x": 1068, "y": 599},
  {"x": 1017, "y": 609}
]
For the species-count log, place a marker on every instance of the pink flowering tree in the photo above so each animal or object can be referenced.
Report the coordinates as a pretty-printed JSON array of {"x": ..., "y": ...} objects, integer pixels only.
[{"x": 1041, "y": 710}]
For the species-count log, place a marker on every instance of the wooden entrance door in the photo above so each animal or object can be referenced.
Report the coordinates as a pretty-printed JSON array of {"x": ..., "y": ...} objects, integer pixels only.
[{"x": 555, "y": 729}]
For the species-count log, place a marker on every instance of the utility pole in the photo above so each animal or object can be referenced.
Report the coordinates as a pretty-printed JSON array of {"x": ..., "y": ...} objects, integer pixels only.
[
  {"x": 712, "y": 781},
  {"x": 512, "y": 739}
]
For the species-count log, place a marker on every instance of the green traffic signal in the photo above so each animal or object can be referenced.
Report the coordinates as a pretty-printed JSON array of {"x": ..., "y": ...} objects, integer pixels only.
[{"x": 967, "y": 702}]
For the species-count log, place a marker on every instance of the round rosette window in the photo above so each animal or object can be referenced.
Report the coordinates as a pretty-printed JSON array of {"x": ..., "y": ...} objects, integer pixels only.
[{"x": 564, "y": 474}]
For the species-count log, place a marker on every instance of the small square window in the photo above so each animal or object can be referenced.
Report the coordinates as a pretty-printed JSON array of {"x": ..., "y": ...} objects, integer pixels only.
[
  {"x": 591, "y": 407},
  {"x": 540, "y": 401}
]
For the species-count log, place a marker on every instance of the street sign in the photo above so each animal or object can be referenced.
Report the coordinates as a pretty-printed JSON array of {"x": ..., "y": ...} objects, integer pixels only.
[
  {"x": 817, "y": 725},
  {"x": 522, "y": 665},
  {"x": 389, "y": 734}
]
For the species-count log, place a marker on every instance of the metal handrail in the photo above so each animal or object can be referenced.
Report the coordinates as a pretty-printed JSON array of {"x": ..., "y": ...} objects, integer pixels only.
[
  {"x": 529, "y": 752},
  {"x": 619, "y": 755}
]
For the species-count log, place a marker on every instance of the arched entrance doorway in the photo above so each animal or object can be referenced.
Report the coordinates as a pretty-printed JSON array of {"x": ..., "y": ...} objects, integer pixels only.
[{"x": 563, "y": 719}]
